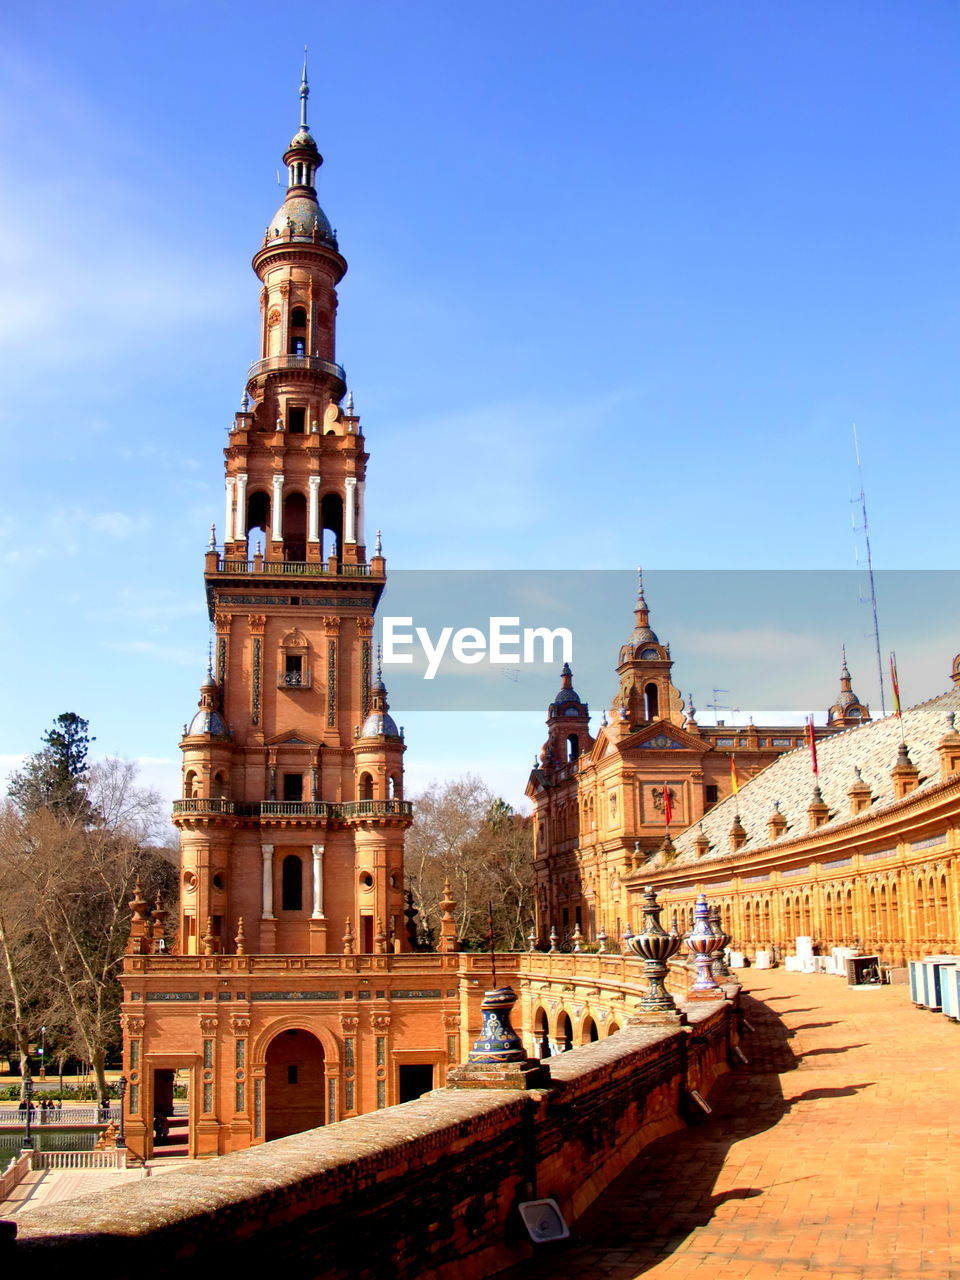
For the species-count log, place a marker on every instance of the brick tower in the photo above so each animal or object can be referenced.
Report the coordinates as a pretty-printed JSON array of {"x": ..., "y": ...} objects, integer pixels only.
[
  {"x": 292, "y": 815},
  {"x": 289, "y": 997}
]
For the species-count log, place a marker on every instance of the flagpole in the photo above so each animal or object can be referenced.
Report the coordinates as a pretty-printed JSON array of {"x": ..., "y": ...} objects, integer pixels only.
[{"x": 870, "y": 577}]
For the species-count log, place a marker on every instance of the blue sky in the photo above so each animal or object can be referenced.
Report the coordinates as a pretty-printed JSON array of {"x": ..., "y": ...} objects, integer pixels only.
[{"x": 621, "y": 277}]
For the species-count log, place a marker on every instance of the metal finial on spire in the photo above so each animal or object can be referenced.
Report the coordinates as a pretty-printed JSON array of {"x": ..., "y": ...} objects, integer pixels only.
[
  {"x": 379, "y": 664},
  {"x": 304, "y": 92},
  {"x": 378, "y": 545},
  {"x": 640, "y": 599},
  {"x": 244, "y": 401},
  {"x": 348, "y": 405},
  {"x": 210, "y": 659},
  {"x": 212, "y": 544}
]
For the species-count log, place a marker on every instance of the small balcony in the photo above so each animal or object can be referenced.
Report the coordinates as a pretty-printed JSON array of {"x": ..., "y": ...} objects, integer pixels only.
[
  {"x": 285, "y": 362},
  {"x": 345, "y": 811},
  {"x": 295, "y": 680}
]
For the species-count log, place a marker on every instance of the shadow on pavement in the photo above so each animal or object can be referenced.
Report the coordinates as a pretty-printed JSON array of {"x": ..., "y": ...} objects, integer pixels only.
[{"x": 667, "y": 1192}]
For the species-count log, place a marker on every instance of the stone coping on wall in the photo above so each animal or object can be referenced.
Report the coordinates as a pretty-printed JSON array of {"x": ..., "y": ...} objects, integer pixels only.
[{"x": 271, "y": 1196}]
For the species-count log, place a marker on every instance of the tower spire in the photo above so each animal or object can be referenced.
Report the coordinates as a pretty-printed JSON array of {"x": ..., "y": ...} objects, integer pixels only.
[
  {"x": 641, "y": 613},
  {"x": 304, "y": 92}
]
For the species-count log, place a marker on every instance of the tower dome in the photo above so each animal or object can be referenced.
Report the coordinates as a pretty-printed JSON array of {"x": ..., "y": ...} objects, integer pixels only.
[
  {"x": 207, "y": 719},
  {"x": 379, "y": 723},
  {"x": 300, "y": 217}
]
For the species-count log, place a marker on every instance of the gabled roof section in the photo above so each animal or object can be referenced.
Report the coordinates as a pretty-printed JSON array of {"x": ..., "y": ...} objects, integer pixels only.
[
  {"x": 293, "y": 738},
  {"x": 664, "y": 735}
]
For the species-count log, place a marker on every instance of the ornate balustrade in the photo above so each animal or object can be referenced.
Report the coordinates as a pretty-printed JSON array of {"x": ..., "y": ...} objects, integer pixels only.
[{"x": 287, "y": 360}]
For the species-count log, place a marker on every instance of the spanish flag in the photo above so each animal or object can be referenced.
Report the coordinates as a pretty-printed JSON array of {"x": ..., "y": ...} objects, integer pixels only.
[
  {"x": 734, "y": 784},
  {"x": 667, "y": 807},
  {"x": 896, "y": 685},
  {"x": 811, "y": 738}
]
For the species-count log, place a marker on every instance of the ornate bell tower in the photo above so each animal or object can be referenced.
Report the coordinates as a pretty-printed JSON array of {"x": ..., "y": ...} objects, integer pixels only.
[{"x": 292, "y": 814}]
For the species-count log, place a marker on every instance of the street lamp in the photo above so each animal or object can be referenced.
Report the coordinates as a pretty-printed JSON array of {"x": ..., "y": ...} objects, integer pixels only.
[
  {"x": 121, "y": 1089},
  {"x": 28, "y": 1098}
]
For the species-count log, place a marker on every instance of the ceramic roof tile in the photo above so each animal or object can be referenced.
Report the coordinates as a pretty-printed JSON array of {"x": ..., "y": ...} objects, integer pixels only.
[{"x": 789, "y": 779}]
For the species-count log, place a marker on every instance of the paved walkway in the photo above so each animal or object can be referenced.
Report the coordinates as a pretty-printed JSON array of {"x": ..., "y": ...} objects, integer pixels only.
[{"x": 831, "y": 1156}]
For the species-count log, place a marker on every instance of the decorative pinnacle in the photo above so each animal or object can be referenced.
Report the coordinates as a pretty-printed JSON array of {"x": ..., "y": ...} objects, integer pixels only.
[
  {"x": 378, "y": 545},
  {"x": 348, "y": 405},
  {"x": 304, "y": 92},
  {"x": 244, "y": 402},
  {"x": 379, "y": 664},
  {"x": 212, "y": 544}
]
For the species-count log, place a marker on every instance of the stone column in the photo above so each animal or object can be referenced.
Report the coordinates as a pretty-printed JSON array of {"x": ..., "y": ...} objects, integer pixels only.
[
  {"x": 228, "y": 515},
  {"x": 318, "y": 882},
  {"x": 277, "y": 530},
  {"x": 313, "y": 510},
  {"x": 267, "y": 855},
  {"x": 361, "y": 485},
  {"x": 350, "y": 509},
  {"x": 240, "y": 520}
]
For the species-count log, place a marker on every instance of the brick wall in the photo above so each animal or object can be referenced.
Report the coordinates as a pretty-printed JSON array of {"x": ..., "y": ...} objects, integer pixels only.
[{"x": 427, "y": 1190}]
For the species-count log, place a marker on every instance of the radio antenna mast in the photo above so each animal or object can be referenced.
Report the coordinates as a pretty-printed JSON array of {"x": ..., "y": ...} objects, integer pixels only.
[{"x": 870, "y": 578}]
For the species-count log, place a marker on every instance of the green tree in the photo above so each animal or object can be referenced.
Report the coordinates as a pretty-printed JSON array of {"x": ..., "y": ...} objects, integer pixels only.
[{"x": 54, "y": 778}]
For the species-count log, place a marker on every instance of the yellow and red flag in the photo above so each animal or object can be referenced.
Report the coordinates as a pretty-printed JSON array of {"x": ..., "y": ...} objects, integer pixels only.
[
  {"x": 896, "y": 685},
  {"x": 667, "y": 806},
  {"x": 811, "y": 738},
  {"x": 734, "y": 783}
]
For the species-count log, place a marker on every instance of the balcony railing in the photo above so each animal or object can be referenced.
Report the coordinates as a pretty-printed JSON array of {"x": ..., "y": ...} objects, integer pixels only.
[
  {"x": 375, "y": 808},
  {"x": 293, "y": 808},
  {"x": 204, "y": 806},
  {"x": 294, "y": 680},
  {"x": 296, "y": 809},
  {"x": 280, "y": 363},
  {"x": 293, "y": 568}
]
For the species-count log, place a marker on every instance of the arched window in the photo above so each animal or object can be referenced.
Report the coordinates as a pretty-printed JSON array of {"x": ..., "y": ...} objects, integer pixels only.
[
  {"x": 295, "y": 527},
  {"x": 573, "y": 747},
  {"x": 258, "y": 521},
  {"x": 219, "y": 787},
  {"x": 298, "y": 332},
  {"x": 292, "y": 883},
  {"x": 651, "y": 698},
  {"x": 190, "y": 788},
  {"x": 589, "y": 1032},
  {"x": 331, "y": 520},
  {"x": 365, "y": 787}
]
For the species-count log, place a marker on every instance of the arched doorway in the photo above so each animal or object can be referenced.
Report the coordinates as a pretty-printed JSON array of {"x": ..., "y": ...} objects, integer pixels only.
[
  {"x": 588, "y": 1032},
  {"x": 294, "y": 1084},
  {"x": 541, "y": 1035},
  {"x": 564, "y": 1033}
]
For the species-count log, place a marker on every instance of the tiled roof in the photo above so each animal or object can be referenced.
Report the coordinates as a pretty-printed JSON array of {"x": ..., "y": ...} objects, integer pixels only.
[{"x": 789, "y": 780}]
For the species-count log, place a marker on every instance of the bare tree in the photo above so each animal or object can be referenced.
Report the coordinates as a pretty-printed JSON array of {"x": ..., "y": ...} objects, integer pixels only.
[
  {"x": 463, "y": 833},
  {"x": 75, "y": 870}
]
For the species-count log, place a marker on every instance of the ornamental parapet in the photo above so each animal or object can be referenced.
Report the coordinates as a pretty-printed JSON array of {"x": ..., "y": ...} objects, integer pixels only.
[{"x": 292, "y": 568}]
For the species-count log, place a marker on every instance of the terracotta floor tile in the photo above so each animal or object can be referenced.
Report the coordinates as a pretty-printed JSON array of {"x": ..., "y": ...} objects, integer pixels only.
[{"x": 832, "y": 1156}]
